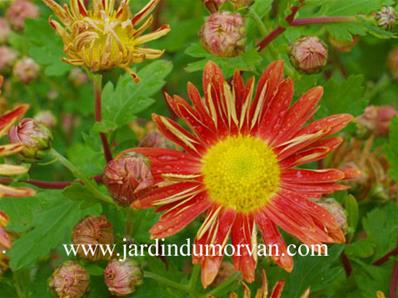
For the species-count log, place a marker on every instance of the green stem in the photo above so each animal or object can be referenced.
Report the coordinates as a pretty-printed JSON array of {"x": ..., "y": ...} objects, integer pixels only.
[
  {"x": 91, "y": 186},
  {"x": 194, "y": 280},
  {"x": 224, "y": 286},
  {"x": 165, "y": 281}
]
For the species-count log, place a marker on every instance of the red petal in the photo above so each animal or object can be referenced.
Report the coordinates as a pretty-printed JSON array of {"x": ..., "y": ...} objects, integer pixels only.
[
  {"x": 334, "y": 123},
  {"x": 271, "y": 236},
  {"x": 8, "y": 118},
  {"x": 298, "y": 114},
  {"x": 277, "y": 289},
  {"x": 242, "y": 235},
  {"x": 180, "y": 216},
  {"x": 304, "y": 176}
]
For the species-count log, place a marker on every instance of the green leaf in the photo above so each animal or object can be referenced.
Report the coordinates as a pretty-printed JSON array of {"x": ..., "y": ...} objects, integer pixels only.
[
  {"x": 392, "y": 152},
  {"x": 123, "y": 101},
  {"x": 53, "y": 225},
  {"x": 45, "y": 47},
  {"x": 351, "y": 207},
  {"x": 20, "y": 212},
  {"x": 361, "y": 249},
  {"x": 381, "y": 225},
  {"x": 343, "y": 96},
  {"x": 347, "y": 8}
]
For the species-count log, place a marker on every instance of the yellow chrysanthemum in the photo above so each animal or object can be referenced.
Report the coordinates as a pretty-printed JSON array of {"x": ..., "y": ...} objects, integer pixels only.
[{"x": 104, "y": 37}]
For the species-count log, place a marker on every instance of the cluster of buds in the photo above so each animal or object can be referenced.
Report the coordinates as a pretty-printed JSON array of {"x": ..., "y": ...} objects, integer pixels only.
[
  {"x": 70, "y": 280},
  {"x": 122, "y": 278},
  {"x": 35, "y": 137},
  {"x": 377, "y": 119},
  {"x": 126, "y": 176},
  {"x": 223, "y": 34},
  {"x": 372, "y": 179},
  {"x": 386, "y": 17},
  {"x": 308, "y": 54},
  {"x": 336, "y": 210},
  {"x": 19, "y": 11},
  {"x": 93, "y": 230},
  {"x": 26, "y": 70}
]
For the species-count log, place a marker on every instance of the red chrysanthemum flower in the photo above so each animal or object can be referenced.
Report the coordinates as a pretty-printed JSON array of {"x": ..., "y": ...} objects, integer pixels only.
[{"x": 239, "y": 166}]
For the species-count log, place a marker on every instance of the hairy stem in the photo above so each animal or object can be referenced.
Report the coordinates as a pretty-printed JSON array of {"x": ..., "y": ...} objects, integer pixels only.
[{"x": 97, "y": 84}]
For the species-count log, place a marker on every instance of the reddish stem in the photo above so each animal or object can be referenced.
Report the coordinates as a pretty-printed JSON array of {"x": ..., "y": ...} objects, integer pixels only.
[
  {"x": 394, "y": 281},
  {"x": 385, "y": 258},
  {"x": 49, "y": 184},
  {"x": 98, "y": 117},
  {"x": 321, "y": 20},
  {"x": 346, "y": 264}
]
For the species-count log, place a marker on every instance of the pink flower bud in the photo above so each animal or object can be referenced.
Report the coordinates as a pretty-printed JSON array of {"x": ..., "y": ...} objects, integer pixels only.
[
  {"x": 378, "y": 119},
  {"x": 7, "y": 58},
  {"x": 213, "y": 5},
  {"x": 47, "y": 118},
  {"x": 154, "y": 139},
  {"x": 77, "y": 77},
  {"x": 309, "y": 54},
  {"x": 392, "y": 63},
  {"x": 336, "y": 210},
  {"x": 26, "y": 70},
  {"x": 386, "y": 17},
  {"x": 70, "y": 280},
  {"x": 34, "y": 135},
  {"x": 4, "y": 30},
  {"x": 20, "y": 10},
  {"x": 126, "y": 176},
  {"x": 93, "y": 230},
  {"x": 223, "y": 34},
  {"x": 122, "y": 278}
]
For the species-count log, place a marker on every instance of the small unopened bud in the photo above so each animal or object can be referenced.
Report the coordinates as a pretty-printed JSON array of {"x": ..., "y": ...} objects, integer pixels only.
[
  {"x": 70, "y": 280},
  {"x": 122, "y": 278},
  {"x": 126, "y": 176},
  {"x": 378, "y": 119},
  {"x": 77, "y": 77},
  {"x": 20, "y": 10},
  {"x": 223, "y": 34},
  {"x": 309, "y": 54},
  {"x": 386, "y": 17},
  {"x": 337, "y": 211},
  {"x": 26, "y": 70},
  {"x": 34, "y": 135},
  {"x": 5, "y": 30},
  {"x": 47, "y": 118},
  {"x": 7, "y": 59},
  {"x": 94, "y": 231},
  {"x": 343, "y": 46},
  {"x": 392, "y": 63}
]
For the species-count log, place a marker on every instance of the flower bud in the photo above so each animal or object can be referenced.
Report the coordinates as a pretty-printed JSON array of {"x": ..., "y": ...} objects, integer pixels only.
[
  {"x": 378, "y": 119},
  {"x": 122, "y": 278},
  {"x": 4, "y": 30},
  {"x": 386, "y": 17},
  {"x": 47, "y": 118},
  {"x": 94, "y": 231},
  {"x": 7, "y": 58},
  {"x": 26, "y": 70},
  {"x": 309, "y": 54},
  {"x": 70, "y": 280},
  {"x": 343, "y": 46},
  {"x": 213, "y": 5},
  {"x": 34, "y": 135},
  {"x": 392, "y": 63},
  {"x": 126, "y": 176},
  {"x": 77, "y": 77},
  {"x": 337, "y": 211},
  {"x": 223, "y": 34},
  {"x": 20, "y": 10}
]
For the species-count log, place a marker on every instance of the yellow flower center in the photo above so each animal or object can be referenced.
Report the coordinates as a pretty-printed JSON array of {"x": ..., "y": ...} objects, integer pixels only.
[{"x": 241, "y": 173}]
